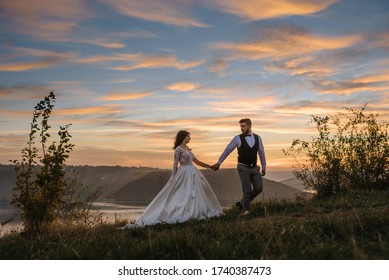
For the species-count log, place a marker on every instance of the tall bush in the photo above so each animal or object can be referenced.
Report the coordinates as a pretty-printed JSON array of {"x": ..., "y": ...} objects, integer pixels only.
[
  {"x": 351, "y": 151},
  {"x": 43, "y": 192}
]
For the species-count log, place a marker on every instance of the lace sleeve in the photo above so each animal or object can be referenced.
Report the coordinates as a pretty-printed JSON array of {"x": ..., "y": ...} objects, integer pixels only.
[{"x": 175, "y": 162}]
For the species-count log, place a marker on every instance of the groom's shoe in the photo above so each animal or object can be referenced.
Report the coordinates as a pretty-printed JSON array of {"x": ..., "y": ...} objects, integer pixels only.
[
  {"x": 239, "y": 205},
  {"x": 245, "y": 213}
]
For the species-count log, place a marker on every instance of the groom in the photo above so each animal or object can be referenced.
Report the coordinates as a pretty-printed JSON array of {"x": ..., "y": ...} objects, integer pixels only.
[{"x": 249, "y": 145}]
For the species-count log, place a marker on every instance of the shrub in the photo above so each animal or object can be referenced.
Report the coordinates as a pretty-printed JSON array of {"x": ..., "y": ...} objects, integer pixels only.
[{"x": 351, "y": 151}]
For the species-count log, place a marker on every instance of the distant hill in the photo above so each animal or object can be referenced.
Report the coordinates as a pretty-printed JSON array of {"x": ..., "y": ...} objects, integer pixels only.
[
  {"x": 141, "y": 185},
  {"x": 279, "y": 176}
]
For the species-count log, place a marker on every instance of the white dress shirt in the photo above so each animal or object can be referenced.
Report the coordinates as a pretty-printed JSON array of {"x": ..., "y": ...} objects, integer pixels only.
[{"x": 235, "y": 143}]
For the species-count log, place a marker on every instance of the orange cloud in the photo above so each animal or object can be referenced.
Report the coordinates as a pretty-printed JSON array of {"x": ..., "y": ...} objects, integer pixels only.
[
  {"x": 168, "y": 12},
  {"x": 264, "y": 9},
  {"x": 125, "y": 96},
  {"x": 183, "y": 86}
]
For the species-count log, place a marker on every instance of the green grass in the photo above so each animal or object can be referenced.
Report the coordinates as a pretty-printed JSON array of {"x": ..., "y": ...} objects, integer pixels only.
[{"x": 352, "y": 226}]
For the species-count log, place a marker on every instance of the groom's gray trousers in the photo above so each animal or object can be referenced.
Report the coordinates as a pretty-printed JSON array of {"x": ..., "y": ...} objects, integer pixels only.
[{"x": 252, "y": 184}]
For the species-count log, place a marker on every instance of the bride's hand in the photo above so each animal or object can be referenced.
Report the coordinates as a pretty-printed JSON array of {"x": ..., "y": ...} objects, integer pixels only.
[{"x": 215, "y": 167}]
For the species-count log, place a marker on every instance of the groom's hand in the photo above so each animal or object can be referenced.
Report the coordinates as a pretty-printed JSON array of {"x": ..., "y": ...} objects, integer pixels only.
[{"x": 215, "y": 167}]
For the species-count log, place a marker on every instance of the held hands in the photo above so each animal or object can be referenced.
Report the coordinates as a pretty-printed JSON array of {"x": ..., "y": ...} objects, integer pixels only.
[{"x": 215, "y": 167}]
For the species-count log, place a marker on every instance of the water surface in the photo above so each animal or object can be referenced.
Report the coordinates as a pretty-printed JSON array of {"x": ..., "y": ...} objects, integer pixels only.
[{"x": 110, "y": 213}]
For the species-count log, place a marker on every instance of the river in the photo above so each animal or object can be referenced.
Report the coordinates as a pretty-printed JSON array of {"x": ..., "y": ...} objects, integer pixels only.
[{"x": 110, "y": 213}]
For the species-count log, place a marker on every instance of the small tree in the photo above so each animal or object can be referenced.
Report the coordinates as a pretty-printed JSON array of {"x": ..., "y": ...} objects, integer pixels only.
[
  {"x": 355, "y": 156},
  {"x": 42, "y": 189}
]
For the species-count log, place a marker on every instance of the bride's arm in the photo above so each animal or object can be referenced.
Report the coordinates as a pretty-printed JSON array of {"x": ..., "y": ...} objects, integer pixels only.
[
  {"x": 200, "y": 163},
  {"x": 175, "y": 162}
]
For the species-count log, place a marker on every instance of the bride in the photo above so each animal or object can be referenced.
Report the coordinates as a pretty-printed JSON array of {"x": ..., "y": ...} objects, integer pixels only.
[{"x": 187, "y": 195}]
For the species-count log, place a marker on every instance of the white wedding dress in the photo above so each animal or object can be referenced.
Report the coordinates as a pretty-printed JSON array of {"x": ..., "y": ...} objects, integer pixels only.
[{"x": 187, "y": 195}]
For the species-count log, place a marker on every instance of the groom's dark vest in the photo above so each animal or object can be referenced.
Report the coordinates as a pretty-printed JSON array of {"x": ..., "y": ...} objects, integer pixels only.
[{"x": 246, "y": 154}]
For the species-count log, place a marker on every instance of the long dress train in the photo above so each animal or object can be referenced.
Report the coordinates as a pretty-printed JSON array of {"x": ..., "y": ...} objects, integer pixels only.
[{"x": 187, "y": 195}]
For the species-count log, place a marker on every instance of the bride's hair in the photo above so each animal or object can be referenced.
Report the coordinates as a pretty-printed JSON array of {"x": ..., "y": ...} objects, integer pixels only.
[{"x": 180, "y": 138}]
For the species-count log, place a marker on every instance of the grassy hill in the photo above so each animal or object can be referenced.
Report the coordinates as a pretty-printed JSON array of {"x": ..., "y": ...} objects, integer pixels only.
[{"x": 351, "y": 226}]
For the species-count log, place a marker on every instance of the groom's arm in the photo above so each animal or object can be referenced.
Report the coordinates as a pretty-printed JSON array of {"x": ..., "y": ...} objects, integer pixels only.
[
  {"x": 235, "y": 142},
  {"x": 262, "y": 157}
]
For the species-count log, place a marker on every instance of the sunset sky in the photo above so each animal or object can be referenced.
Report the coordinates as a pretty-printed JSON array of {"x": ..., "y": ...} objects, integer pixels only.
[{"x": 129, "y": 74}]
